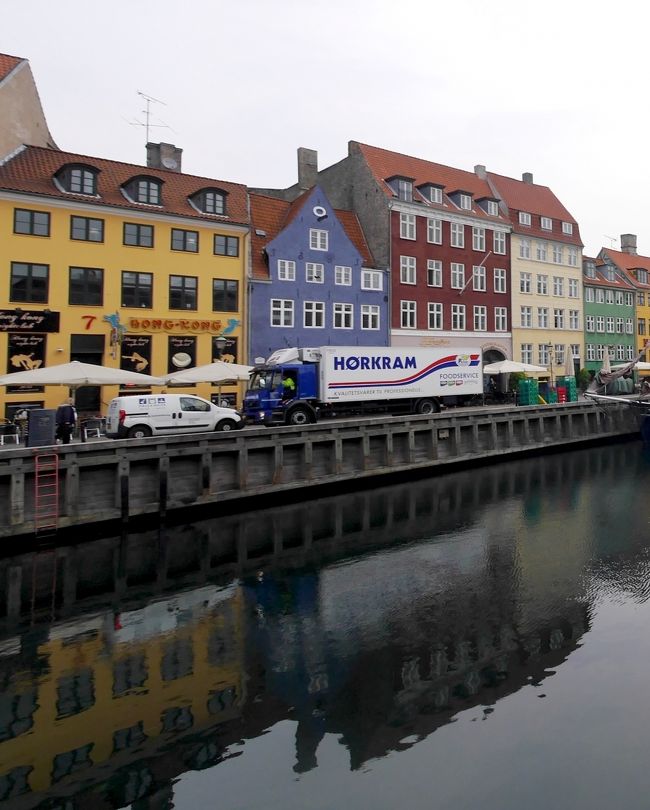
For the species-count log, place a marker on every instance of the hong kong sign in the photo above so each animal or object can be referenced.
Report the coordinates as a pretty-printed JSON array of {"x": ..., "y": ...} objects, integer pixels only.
[
  {"x": 174, "y": 325},
  {"x": 28, "y": 320}
]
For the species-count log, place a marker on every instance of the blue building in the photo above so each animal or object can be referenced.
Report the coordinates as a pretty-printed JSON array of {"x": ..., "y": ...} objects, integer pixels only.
[{"x": 313, "y": 280}]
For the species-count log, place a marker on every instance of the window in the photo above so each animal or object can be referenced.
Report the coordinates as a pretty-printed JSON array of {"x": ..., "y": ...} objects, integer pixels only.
[
  {"x": 640, "y": 299},
  {"x": 407, "y": 269},
  {"x": 641, "y": 326},
  {"x": 567, "y": 228},
  {"x": 642, "y": 276},
  {"x": 558, "y": 318},
  {"x": 408, "y": 313},
  {"x": 147, "y": 191},
  {"x": 281, "y": 312},
  {"x": 590, "y": 295},
  {"x": 185, "y": 240},
  {"x": 465, "y": 202},
  {"x": 620, "y": 300},
  {"x": 370, "y": 316},
  {"x": 313, "y": 314},
  {"x": 573, "y": 288},
  {"x": 225, "y": 295},
  {"x": 572, "y": 258},
  {"x": 29, "y": 283},
  {"x": 405, "y": 190},
  {"x": 629, "y": 326},
  {"x": 524, "y": 282},
  {"x": 493, "y": 208},
  {"x": 591, "y": 351},
  {"x": 183, "y": 292},
  {"x": 526, "y": 352},
  {"x": 457, "y": 235},
  {"x": 457, "y": 276},
  {"x": 590, "y": 270},
  {"x": 558, "y": 285},
  {"x": 620, "y": 352},
  {"x": 372, "y": 280},
  {"x": 86, "y": 229},
  {"x": 435, "y": 194},
  {"x": 434, "y": 231},
  {"x": 343, "y": 316},
  {"x": 434, "y": 273},
  {"x": 590, "y": 323},
  {"x": 600, "y": 296},
  {"x": 480, "y": 319},
  {"x": 286, "y": 270},
  {"x": 343, "y": 275},
  {"x": 600, "y": 323},
  {"x": 610, "y": 325},
  {"x": 315, "y": 273},
  {"x": 524, "y": 218},
  {"x": 434, "y": 315},
  {"x": 524, "y": 249},
  {"x": 34, "y": 223},
  {"x": 499, "y": 280},
  {"x": 226, "y": 245},
  {"x": 458, "y": 317},
  {"x": 86, "y": 286},
  {"x": 478, "y": 239},
  {"x": 501, "y": 319},
  {"x": 629, "y": 299},
  {"x": 547, "y": 224},
  {"x": 138, "y": 235},
  {"x": 210, "y": 201},
  {"x": 574, "y": 319},
  {"x": 407, "y": 226},
  {"x": 543, "y": 354},
  {"x": 557, "y": 254},
  {"x": 559, "y": 354},
  {"x": 542, "y": 317},
  {"x": 479, "y": 278},
  {"x": 526, "y": 317},
  {"x": 609, "y": 296},
  {"x": 318, "y": 240},
  {"x": 541, "y": 251},
  {"x": 137, "y": 289},
  {"x": 499, "y": 242},
  {"x": 620, "y": 326},
  {"x": 78, "y": 180},
  {"x": 542, "y": 284}
]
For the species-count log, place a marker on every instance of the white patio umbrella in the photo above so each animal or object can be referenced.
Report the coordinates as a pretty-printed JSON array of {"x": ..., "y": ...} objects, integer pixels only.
[
  {"x": 76, "y": 374},
  {"x": 512, "y": 367},
  {"x": 217, "y": 372},
  {"x": 640, "y": 366}
]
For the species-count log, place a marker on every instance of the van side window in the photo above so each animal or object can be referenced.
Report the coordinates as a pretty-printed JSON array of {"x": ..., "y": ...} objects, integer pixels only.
[{"x": 192, "y": 404}]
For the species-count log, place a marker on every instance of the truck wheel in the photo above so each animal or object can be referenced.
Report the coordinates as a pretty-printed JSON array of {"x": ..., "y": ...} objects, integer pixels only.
[
  {"x": 139, "y": 432},
  {"x": 427, "y": 406},
  {"x": 299, "y": 416},
  {"x": 225, "y": 425}
]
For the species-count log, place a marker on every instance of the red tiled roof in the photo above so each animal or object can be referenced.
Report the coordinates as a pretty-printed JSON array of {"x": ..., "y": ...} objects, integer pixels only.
[
  {"x": 271, "y": 215},
  {"x": 538, "y": 201},
  {"x": 31, "y": 171},
  {"x": 628, "y": 263},
  {"x": 385, "y": 164},
  {"x": 7, "y": 64}
]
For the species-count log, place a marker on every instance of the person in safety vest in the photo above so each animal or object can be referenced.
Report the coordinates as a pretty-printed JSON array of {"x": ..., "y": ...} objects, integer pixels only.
[{"x": 288, "y": 387}]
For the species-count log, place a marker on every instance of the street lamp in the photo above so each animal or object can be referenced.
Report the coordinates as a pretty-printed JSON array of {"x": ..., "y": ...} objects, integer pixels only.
[{"x": 551, "y": 357}]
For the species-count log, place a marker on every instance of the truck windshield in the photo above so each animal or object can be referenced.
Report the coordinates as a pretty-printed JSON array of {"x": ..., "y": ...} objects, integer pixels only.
[{"x": 264, "y": 380}]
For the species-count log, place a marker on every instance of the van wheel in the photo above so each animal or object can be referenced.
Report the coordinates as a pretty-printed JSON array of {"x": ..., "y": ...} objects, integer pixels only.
[
  {"x": 139, "y": 432},
  {"x": 427, "y": 406},
  {"x": 225, "y": 425},
  {"x": 299, "y": 416}
]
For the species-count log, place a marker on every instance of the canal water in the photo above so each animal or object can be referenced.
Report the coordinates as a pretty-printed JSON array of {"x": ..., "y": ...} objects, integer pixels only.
[{"x": 475, "y": 640}]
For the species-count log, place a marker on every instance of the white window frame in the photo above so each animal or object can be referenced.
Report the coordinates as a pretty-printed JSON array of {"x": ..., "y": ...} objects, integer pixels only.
[
  {"x": 542, "y": 317},
  {"x": 590, "y": 295},
  {"x": 370, "y": 317},
  {"x": 610, "y": 326},
  {"x": 524, "y": 218},
  {"x": 525, "y": 281},
  {"x": 407, "y": 270},
  {"x": 499, "y": 243},
  {"x": 526, "y": 317},
  {"x": 500, "y": 319},
  {"x": 312, "y": 272},
  {"x": 558, "y": 286},
  {"x": 500, "y": 280},
  {"x": 558, "y": 254},
  {"x": 408, "y": 314},
  {"x": 478, "y": 238},
  {"x": 541, "y": 251},
  {"x": 590, "y": 323},
  {"x": 318, "y": 239},
  {"x": 573, "y": 288},
  {"x": 342, "y": 275},
  {"x": 284, "y": 308},
  {"x": 572, "y": 257},
  {"x": 457, "y": 235},
  {"x": 286, "y": 270},
  {"x": 434, "y": 231},
  {"x": 457, "y": 270},
  {"x": 458, "y": 317},
  {"x": 558, "y": 319},
  {"x": 435, "y": 194},
  {"x": 600, "y": 324},
  {"x": 546, "y": 223},
  {"x": 479, "y": 278},
  {"x": 341, "y": 312},
  {"x": 435, "y": 314},
  {"x": 405, "y": 190},
  {"x": 542, "y": 284},
  {"x": 567, "y": 228},
  {"x": 480, "y": 318},
  {"x": 524, "y": 248},
  {"x": 492, "y": 208},
  {"x": 526, "y": 352},
  {"x": 407, "y": 226},
  {"x": 372, "y": 280},
  {"x": 316, "y": 312},
  {"x": 465, "y": 202},
  {"x": 574, "y": 319},
  {"x": 434, "y": 273}
]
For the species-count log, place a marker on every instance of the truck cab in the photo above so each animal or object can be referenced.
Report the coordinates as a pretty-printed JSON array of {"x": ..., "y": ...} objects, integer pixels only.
[{"x": 283, "y": 394}]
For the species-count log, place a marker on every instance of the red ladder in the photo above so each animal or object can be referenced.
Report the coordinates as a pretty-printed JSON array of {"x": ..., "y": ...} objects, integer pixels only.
[{"x": 46, "y": 493}]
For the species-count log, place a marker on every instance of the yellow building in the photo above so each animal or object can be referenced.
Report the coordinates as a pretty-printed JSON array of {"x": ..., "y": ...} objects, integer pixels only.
[
  {"x": 127, "y": 266},
  {"x": 546, "y": 276}
]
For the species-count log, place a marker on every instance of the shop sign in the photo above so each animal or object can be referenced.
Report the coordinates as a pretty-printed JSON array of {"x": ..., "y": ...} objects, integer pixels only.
[
  {"x": 229, "y": 351},
  {"x": 25, "y": 353},
  {"x": 135, "y": 354},
  {"x": 195, "y": 325},
  {"x": 28, "y": 321},
  {"x": 182, "y": 353}
]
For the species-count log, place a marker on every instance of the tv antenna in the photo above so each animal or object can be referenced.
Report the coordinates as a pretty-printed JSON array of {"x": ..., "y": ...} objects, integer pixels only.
[
  {"x": 149, "y": 100},
  {"x": 612, "y": 239}
]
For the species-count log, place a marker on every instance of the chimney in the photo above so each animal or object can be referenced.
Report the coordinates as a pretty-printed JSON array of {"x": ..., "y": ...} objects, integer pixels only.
[
  {"x": 480, "y": 171},
  {"x": 628, "y": 243},
  {"x": 307, "y": 167},
  {"x": 527, "y": 177},
  {"x": 164, "y": 156}
]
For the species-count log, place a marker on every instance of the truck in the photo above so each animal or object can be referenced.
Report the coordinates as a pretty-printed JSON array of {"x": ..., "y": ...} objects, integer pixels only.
[{"x": 300, "y": 386}]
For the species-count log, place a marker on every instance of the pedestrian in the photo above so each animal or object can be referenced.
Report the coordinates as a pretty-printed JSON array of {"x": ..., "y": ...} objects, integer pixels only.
[
  {"x": 66, "y": 419},
  {"x": 288, "y": 387}
]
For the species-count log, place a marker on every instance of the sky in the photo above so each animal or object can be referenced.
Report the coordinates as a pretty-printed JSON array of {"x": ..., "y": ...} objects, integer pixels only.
[{"x": 555, "y": 88}]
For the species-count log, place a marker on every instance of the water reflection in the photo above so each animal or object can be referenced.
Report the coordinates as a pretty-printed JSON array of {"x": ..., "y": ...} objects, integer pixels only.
[{"x": 375, "y": 616}]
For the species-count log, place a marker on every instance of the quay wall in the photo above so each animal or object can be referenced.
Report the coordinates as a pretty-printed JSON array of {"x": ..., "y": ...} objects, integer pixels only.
[{"x": 122, "y": 480}]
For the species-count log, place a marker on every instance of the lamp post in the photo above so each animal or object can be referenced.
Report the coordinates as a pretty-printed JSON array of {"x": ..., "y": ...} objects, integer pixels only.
[{"x": 551, "y": 353}]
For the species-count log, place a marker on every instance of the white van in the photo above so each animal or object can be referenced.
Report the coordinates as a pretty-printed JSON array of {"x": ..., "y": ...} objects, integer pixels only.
[{"x": 136, "y": 416}]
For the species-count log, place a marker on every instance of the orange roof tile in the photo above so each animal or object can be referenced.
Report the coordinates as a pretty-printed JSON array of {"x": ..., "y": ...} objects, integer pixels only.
[
  {"x": 31, "y": 171},
  {"x": 628, "y": 263},
  {"x": 7, "y": 64}
]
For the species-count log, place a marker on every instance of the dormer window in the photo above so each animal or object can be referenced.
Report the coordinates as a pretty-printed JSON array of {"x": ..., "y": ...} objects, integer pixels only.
[
  {"x": 547, "y": 224},
  {"x": 147, "y": 190},
  {"x": 590, "y": 270},
  {"x": 493, "y": 208},
  {"x": 567, "y": 228},
  {"x": 405, "y": 190},
  {"x": 642, "y": 276},
  {"x": 524, "y": 218},
  {"x": 435, "y": 194},
  {"x": 465, "y": 202},
  {"x": 610, "y": 273},
  {"x": 78, "y": 180},
  {"x": 210, "y": 201}
]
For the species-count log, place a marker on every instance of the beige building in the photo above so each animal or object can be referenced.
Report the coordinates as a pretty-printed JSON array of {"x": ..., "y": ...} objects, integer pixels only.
[
  {"x": 546, "y": 275},
  {"x": 22, "y": 120}
]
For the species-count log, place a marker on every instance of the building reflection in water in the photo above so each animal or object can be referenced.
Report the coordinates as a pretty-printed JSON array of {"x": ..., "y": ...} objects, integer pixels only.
[{"x": 377, "y": 616}]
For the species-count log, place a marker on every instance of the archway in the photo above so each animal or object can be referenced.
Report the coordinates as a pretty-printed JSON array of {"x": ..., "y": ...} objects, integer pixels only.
[{"x": 493, "y": 356}]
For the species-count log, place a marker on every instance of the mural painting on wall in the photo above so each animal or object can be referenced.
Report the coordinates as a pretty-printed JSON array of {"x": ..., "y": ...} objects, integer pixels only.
[
  {"x": 181, "y": 353},
  {"x": 25, "y": 353}
]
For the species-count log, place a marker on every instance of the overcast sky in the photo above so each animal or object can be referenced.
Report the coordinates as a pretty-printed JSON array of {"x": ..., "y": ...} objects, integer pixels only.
[{"x": 557, "y": 88}]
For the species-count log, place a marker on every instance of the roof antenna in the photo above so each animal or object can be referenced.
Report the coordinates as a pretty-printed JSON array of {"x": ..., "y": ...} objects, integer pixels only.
[
  {"x": 147, "y": 114},
  {"x": 612, "y": 239}
]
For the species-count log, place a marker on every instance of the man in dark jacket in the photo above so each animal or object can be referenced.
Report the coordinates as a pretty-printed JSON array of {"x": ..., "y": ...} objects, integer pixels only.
[{"x": 66, "y": 418}]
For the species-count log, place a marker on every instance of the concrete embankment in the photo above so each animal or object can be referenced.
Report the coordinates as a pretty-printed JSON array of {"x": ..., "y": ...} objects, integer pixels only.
[{"x": 123, "y": 480}]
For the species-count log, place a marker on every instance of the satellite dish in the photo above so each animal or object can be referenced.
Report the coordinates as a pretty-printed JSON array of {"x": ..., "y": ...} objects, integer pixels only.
[{"x": 169, "y": 163}]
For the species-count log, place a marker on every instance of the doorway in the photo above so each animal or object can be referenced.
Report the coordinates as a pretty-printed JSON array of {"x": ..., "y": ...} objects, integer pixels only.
[{"x": 88, "y": 349}]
